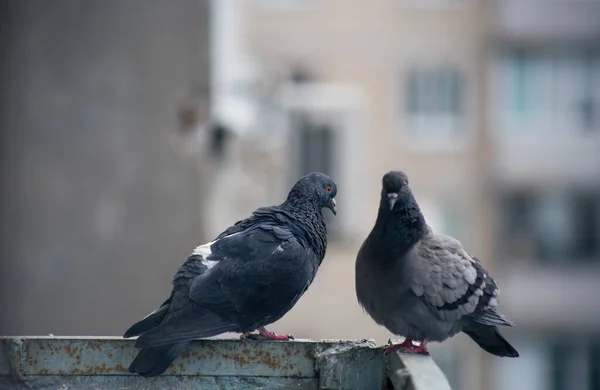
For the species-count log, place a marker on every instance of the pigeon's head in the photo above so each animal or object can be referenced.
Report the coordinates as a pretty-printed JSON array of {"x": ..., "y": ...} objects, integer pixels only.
[
  {"x": 395, "y": 189},
  {"x": 316, "y": 188}
]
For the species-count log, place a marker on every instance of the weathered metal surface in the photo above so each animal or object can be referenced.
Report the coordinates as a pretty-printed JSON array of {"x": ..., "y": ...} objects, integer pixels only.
[
  {"x": 415, "y": 372},
  {"x": 350, "y": 366},
  {"x": 101, "y": 362},
  {"x": 111, "y": 356},
  {"x": 100, "y": 382}
]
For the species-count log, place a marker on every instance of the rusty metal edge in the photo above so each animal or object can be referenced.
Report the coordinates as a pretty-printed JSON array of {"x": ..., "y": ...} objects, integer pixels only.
[
  {"x": 104, "y": 355},
  {"x": 91, "y": 382}
]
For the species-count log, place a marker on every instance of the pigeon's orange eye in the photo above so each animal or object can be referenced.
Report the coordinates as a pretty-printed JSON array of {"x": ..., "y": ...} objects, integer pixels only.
[
  {"x": 405, "y": 184},
  {"x": 329, "y": 189}
]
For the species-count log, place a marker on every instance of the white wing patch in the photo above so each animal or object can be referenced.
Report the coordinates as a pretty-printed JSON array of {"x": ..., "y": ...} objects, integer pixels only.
[
  {"x": 205, "y": 251},
  {"x": 209, "y": 263}
]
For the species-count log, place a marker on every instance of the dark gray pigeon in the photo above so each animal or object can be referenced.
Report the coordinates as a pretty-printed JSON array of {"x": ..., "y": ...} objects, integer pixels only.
[
  {"x": 248, "y": 277},
  {"x": 421, "y": 285}
]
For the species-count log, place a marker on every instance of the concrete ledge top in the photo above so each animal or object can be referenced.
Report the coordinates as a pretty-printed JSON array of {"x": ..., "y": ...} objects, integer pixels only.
[{"x": 101, "y": 363}]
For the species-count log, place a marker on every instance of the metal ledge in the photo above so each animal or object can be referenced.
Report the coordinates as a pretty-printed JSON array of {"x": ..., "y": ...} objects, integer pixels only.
[
  {"x": 101, "y": 363},
  {"x": 415, "y": 372}
]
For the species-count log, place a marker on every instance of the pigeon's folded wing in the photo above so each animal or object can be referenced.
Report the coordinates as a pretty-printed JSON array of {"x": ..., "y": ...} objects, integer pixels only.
[
  {"x": 453, "y": 283},
  {"x": 232, "y": 283},
  {"x": 186, "y": 324},
  {"x": 260, "y": 274},
  {"x": 150, "y": 321}
]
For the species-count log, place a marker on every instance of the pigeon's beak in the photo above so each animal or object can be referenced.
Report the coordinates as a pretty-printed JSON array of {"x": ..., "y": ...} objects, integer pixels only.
[
  {"x": 333, "y": 206},
  {"x": 392, "y": 198}
]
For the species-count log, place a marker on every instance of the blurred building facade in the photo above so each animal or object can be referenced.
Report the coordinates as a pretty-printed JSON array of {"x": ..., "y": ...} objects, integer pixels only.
[
  {"x": 98, "y": 209},
  {"x": 493, "y": 109},
  {"x": 544, "y": 118}
]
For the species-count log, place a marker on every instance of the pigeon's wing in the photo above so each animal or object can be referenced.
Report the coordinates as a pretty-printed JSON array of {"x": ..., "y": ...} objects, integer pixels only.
[
  {"x": 188, "y": 323},
  {"x": 453, "y": 283},
  {"x": 150, "y": 321},
  {"x": 487, "y": 312},
  {"x": 181, "y": 319},
  {"x": 235, "y": 283},
  {"x": 260, "y": 275}
]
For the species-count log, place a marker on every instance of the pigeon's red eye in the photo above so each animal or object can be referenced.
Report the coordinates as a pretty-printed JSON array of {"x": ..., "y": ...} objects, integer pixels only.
[
  {"x": 405, "y": 184},
  {"x": 329, "y": 189}
]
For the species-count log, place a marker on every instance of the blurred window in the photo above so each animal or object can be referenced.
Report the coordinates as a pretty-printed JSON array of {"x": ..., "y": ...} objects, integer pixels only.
[
  {"x": 531, "y": 371},
  {"x": 573, "y": 365},
  {"x": 315, "y": 149},
  {"x": 541, "y": 91},
  {"x": 552, "y": 227},
  {"x": 434, "y": 102},
  {"x": 555, "y": 363}
]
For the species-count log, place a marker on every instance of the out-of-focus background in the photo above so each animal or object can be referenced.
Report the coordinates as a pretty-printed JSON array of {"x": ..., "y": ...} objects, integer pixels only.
[{"x": 133, "y": 131}]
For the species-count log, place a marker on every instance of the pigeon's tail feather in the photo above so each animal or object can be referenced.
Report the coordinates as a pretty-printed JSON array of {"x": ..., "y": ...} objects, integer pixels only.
[
  {"x": 490, "y": 340},
  {"x": 153, "y": 361},
  {"x": 144, "y": 325},
  {"x": 192, "y": 323},
  {"x": 493, "y": 317}
]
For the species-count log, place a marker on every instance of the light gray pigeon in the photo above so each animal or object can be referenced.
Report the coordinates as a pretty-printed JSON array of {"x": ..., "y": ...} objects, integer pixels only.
[{"x": 421, "y": 285}]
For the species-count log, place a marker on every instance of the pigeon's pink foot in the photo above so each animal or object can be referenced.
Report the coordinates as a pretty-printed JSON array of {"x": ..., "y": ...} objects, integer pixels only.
[
  {"x": 407, "y": 346},
  {"x": 264, "y": 334},
  {"x": 403, "y": 346},
  {"x": 421, "y": 349},
  {"x": 268, "y": 335}
]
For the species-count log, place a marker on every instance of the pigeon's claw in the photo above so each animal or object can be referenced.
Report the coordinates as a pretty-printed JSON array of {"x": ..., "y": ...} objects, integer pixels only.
[
  {"x": 268, "y": 335},
  {"x": 407, "y": 346},
  {"x": 264, "y": 334}
]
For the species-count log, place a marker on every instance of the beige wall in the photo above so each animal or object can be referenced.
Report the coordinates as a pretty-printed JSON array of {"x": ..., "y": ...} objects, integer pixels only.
[{"x": 373, "y": 47}]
